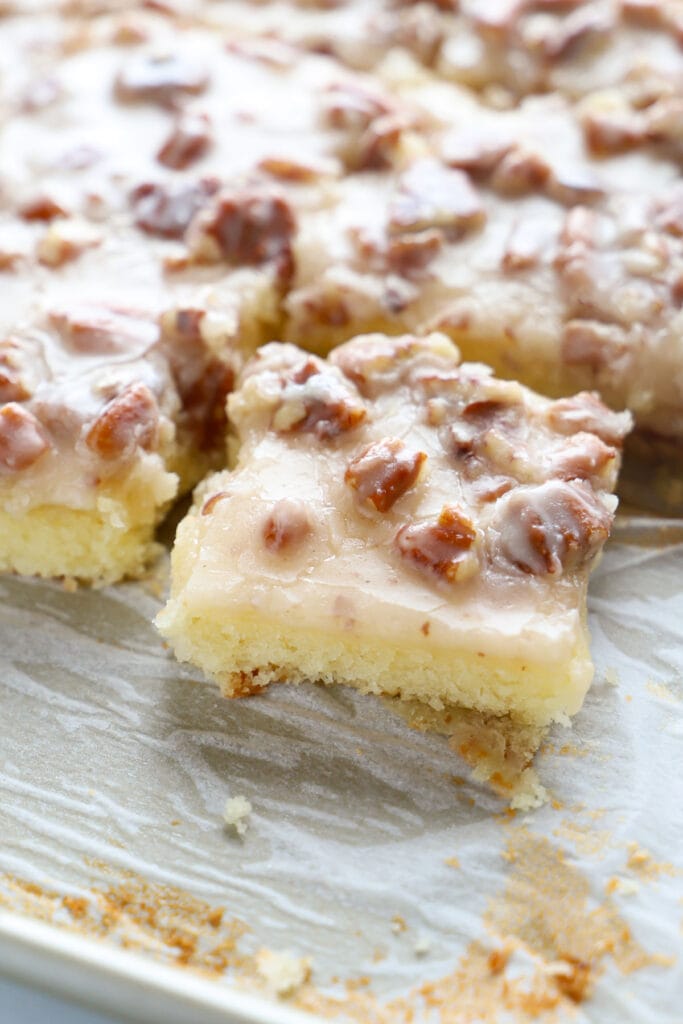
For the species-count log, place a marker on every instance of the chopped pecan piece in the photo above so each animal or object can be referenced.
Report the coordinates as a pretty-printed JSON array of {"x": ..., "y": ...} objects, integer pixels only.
[
  {"x": 585, "y": 411},
  {"x": 204, "y": 383},
  {"x": 352, "y": 106},
  {"x": 442, "y": 548},
  {"x": 527, "y": 241},
  {"x": 286, "y": 526},
  {"x": 430, "y": 195},
  {"x": 521, "y": 171},
  {"x": 380, "y": 142},
  {"x": 287, "y": 169},
  {"x": 189, "y": 141},
  {"x": 42, "y": 208},
  {"x": 409, "y": 255},
  {"x": 670, "y": 213},
  {"x": 22, "y": 438},
  {"x": 89, "y": 328},
  {"x": 65, "y": 241},
  {"x": 383, "y": 472},
  {"x": 551, "y": 528},
  {"x": 246, "y": 226},
  {"x": 477, "y": 149},
  {"x": 167, "y": 210},
  {"x": 584, "y": 28},
  {"x": 161, "y": 80},
  {"x": 583, "y": 457},
  {"x": 615, "y": 130},
  {"x": 316, "y": 400},
  {"x": 592, "y": 343},
  {"x": 13, "y": 385},
  {"x": 127, "y": 422}
]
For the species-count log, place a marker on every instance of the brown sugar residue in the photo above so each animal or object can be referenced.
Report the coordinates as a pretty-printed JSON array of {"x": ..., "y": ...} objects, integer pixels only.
[
  {"x": 547, "y": 905},
  {"x": 158, "y": 919},
  {"x": 545, "y": 919}
]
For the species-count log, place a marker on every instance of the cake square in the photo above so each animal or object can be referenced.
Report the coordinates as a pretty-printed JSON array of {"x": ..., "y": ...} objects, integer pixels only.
[{"x": 403, "y": 523}]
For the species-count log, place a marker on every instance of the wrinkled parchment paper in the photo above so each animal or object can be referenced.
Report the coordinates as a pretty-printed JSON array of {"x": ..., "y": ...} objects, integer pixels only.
[{"x": 369, "y": 849}]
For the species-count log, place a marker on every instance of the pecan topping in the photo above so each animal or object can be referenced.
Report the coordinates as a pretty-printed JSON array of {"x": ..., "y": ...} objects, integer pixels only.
[
  {"x": 161, "y": 80},
  {"x": 167, "y": 210},
  {"x": 316, "y": 400},
  {"x": 246, "y": 226},
  {"x": 42, "y": 208},
  {"x": 586, "y": 412},
  {"x": 128, "y": 422},
  {"x": 582, "y": 29},
  {"x": 189, "y": 141},
  {"x": 65, "y": 241},
  {"x": 476, "y": 149},
  {"x": 286, "y": 526},
  {"x": 383, "y": 472},
  {"x": 98, "y": 329},
  {"x": 443, "y": 547},
  {"x": 552, "y": 528},
  {"x": 521, "y": 171},
  {"x": 286, "y": 169},
  {"x": 592, "y": 343},
  {"x": 583, "y": 457},
  {"x": 12, "y": 384},
  {"x": 430, "y": 195},
  {"x": 527, "y": 241},
  {"x": 409, "y": 255},
  {"x": 22, "y": 438},
  {"x": 351, "y": 106},
  {"x": 379, "y": 143},
  {"x": 203, "y": 381}
]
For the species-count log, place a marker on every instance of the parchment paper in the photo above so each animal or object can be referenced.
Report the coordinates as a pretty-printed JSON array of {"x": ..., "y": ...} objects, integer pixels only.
[{"x": 363, "y": 851}]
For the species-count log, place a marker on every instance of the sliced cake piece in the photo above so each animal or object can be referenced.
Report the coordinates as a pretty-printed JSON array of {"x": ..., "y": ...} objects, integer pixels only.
[
  {"x": 149, "y": 177},
  {"x": 504, "y": 49},
  {"x": 403, "y": 524}
]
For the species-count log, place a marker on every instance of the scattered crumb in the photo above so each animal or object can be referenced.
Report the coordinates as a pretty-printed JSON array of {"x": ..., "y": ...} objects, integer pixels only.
[
  {"x": 661, "y": 691},
  {"x": 378, "y": 954},
  {"x": 283, "y": 973},
  {"x": 176, "y": 822},
  {"x": 398, "y": 924},
  {"x": 622, "y": 886},
  {"x": 529, "y": 792},
  {"x": 643, "y": 863},
  {"x": 423, "y": 944},
  {"x": 236, "y": 814},
  {"x": 69, "y": 584},
  {"x": 611, "y": 676},
  {"x": 452, "y": 862}
]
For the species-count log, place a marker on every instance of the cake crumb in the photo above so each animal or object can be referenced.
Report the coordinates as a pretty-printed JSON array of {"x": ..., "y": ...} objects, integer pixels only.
[
  {"x": 69, "y": 584},
  {"x": 452, "y": 862},
  {"x": 622, "y": 886},
  {"x": 423, "y": 944},
  {"x": 236, "y": 814},
  {"x": 283, "y": 973},
  {"x": 398, "y": 924},
  {"x": 611, "y": 676}
]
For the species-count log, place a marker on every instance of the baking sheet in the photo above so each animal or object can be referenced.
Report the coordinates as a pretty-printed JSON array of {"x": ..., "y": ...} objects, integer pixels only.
[{"x": 411, "y": 889}]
